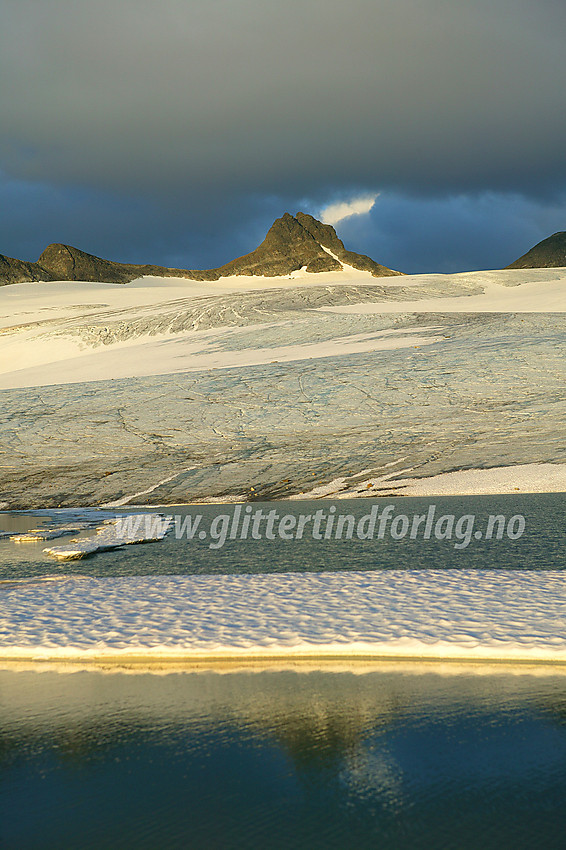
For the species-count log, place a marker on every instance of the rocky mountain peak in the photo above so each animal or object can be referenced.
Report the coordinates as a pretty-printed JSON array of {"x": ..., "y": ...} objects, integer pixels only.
[
  {"x": 301, "y": 241},
  {"x": 291, "y": 243},
  {"x": 550, "y": 253}
]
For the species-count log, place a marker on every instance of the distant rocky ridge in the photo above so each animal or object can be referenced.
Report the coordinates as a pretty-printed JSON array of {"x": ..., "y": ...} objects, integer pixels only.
[
  {"x": 18, "y": 271},
  {"x": 292, "y": 243},
  {"x": 548, "y": 254}
]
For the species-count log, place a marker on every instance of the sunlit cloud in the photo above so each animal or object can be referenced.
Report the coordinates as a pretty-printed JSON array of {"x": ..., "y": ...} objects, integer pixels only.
[{"x": 334, "y": 213}]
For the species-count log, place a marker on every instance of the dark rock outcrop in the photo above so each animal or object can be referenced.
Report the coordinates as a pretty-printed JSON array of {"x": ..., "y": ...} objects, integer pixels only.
[
  {"x": 18, "y": 271},
  {"x": 287, "y": 247},
  {"x": 548, "y": 254},
  {"x": 292, "y": 243},
  {"x": 326, "y": 236},
  {"x": 66, "y": 263}
]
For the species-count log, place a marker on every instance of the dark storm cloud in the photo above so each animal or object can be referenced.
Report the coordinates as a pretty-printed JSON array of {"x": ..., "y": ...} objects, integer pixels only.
[
  {"x": 202, "y": 120},
  {"x": 129, "y": 229},
  {"x": 451, "y": 234},
  {"x": 246, "y": 94}
]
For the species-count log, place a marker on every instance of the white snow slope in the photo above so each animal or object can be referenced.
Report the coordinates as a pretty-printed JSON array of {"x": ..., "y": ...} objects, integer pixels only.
[{"x": 429, "y": 614}]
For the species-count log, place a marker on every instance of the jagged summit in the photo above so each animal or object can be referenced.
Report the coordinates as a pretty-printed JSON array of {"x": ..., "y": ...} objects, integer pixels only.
[
  {"x": 291, "y": 243},
  {"x": 287, "y": 247},
  {"x": 326, "y": 236},
  {"x": 550, "y": 253},
  {"x": 296, "y": 242}
]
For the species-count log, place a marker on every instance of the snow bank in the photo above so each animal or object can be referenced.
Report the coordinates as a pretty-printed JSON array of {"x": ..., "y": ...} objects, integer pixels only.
[
  {"x": 431, "y": 614},
  {"x": 518, "y": 478}
]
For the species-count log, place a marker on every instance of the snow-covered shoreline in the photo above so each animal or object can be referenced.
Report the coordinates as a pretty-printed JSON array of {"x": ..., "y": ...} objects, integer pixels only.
[
  {"x": 518, "y": 479},
  {"x": 460, "y": 615},
  {"x": 499, "y": 480}
]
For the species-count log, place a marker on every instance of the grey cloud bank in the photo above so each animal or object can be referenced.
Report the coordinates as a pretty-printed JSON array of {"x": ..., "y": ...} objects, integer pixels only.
[{"x": 181, "y": 125}]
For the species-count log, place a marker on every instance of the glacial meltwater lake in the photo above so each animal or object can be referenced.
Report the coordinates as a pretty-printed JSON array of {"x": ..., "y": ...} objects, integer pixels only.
[
  {"x": 395, "y": 755},
  {"x": 406, "y": 756},
  {"x": 539, "y": 546}
]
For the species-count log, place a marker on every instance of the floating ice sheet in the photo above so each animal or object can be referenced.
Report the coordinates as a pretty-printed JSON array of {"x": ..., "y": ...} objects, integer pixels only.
[
  {"x": 48, "y": 533},
  {"x": 112, "y": 534}
]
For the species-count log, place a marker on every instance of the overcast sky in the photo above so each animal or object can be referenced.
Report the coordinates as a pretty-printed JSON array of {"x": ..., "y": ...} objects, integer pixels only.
[{"x": 175, "y": 131}]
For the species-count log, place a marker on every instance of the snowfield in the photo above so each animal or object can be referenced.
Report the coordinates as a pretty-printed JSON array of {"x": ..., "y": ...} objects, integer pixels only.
[{"x": 421, "y": 614}]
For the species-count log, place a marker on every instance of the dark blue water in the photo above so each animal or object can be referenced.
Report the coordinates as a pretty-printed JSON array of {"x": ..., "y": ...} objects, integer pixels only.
[
  {"x": 423, "y": 757},
  {"x": 542, "y": 545}
]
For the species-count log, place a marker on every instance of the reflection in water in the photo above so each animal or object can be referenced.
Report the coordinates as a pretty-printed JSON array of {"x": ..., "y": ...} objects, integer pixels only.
[{"x": 419, "y": 757}]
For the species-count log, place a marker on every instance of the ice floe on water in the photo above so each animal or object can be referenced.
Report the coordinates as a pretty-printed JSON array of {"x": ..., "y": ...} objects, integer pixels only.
[
  {"x": 112, "y": 531},
  {"x": 431, "y": 614},
  {"x": 48, "y": 533},
  {"x": 112, "y": 534}
]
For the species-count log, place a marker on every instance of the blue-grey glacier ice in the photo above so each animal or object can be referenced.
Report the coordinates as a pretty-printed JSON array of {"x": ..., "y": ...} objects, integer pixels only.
[{"x": 164, "y": 391}]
